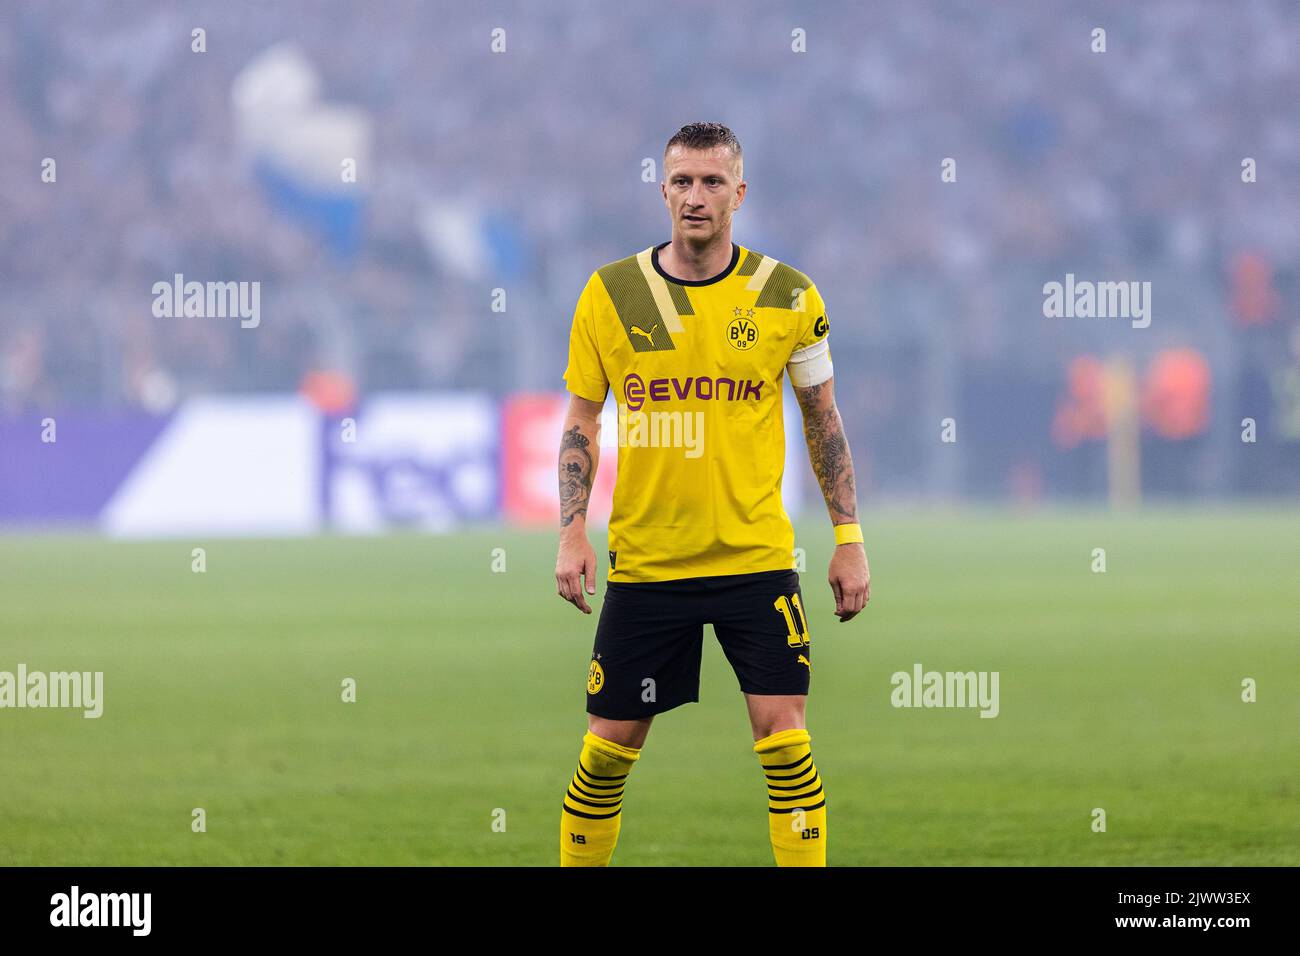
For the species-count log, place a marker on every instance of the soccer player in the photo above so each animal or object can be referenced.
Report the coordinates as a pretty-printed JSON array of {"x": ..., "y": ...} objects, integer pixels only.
[{"x": 694, "y": 335}]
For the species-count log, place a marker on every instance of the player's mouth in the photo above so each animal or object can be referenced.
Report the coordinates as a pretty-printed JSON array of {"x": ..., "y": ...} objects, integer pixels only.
[{"x": 696, "y": 218}]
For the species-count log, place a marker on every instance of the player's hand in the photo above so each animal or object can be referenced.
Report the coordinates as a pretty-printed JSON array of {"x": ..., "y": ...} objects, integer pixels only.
[
  {"x": 850, "y": 580},
  {"x": 576, "y": 561}
]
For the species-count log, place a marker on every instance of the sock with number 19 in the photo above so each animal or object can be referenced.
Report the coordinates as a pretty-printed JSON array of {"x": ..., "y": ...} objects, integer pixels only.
[{"x": 593, "y": 805}]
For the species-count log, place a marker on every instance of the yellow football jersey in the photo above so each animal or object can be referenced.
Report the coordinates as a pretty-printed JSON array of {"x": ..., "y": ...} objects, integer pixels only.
[{"x": 697, "y": 371}]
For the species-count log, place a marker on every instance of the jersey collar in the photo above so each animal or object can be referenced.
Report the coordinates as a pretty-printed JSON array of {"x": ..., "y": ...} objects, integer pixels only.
[{"x": 654, "y": 260}]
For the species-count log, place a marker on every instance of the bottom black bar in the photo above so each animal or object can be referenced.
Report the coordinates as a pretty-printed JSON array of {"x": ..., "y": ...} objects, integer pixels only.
[{"x": 301, "y": 905}]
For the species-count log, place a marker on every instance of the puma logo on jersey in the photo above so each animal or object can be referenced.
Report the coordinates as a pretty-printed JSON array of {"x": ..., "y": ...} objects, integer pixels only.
[
  {"x": 649, "y": 336},
  {"x": 804, "y": 660}
]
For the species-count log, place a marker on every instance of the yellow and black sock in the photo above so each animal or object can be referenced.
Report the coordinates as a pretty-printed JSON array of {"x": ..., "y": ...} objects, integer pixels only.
[
  {"x": 796, "y": 801},
  {"x": 594, "y": 803}
]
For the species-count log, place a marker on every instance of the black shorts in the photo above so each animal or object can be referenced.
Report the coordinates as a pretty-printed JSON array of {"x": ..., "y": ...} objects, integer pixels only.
[{"x": 651, "y": 635}]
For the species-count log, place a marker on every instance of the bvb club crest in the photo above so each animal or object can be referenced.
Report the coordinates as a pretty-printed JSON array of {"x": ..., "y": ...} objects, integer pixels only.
[
  {"x": 742, "y": 333},
  {"x": 595, "y": 678}
]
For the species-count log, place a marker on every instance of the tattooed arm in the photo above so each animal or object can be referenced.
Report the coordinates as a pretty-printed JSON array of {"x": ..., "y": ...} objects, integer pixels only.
[
  {"x": 579, "y": 456},
  {"x": 828, "y": 451}
]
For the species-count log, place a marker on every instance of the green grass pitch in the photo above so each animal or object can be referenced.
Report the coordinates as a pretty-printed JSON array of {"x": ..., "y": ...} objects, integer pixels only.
[{"x": 222, "y": 690}]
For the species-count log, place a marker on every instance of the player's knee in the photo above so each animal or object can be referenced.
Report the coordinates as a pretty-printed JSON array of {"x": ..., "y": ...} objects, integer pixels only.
[
  {"x": 776, "y": 724},
  {"x": 625, "y": 733}
]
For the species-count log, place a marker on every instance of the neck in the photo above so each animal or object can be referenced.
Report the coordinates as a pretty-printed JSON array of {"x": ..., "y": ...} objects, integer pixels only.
[{"x": 692, "y": 261}]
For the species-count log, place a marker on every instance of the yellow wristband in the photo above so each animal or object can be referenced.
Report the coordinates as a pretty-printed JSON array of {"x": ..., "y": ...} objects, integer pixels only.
[{"x": 847, "y": 533}]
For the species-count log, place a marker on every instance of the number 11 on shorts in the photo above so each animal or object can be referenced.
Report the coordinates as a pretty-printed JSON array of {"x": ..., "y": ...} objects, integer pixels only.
[{"x": 795, "y": 636}]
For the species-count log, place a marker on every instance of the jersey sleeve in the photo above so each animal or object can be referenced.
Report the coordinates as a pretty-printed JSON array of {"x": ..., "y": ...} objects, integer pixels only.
[
  {"x": 810, "y": 361},
  {"x": 585, "y": 376}
]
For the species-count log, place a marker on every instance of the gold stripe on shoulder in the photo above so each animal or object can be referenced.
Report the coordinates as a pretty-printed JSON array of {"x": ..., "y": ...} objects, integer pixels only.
[
  {"x": 663, "y": 296},
  {"x": 635, "y": 306},
  {"x": 762, "y": 270}
]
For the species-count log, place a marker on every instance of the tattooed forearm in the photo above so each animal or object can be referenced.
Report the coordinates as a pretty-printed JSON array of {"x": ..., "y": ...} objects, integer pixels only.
[
  {"x": 828, "y": 451},
  {"x": 576, "y": 468}
]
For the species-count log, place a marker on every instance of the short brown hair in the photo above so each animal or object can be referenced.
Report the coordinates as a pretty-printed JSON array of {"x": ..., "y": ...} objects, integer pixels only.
[{"x": 705, "y": 136}]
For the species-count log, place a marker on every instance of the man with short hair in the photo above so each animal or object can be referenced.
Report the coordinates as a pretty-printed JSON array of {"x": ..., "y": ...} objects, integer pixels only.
[{"x": 695, "y": 334}]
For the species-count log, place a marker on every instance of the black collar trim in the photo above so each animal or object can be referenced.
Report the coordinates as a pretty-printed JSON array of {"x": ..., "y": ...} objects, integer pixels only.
[{"x": 735, "y": 258}]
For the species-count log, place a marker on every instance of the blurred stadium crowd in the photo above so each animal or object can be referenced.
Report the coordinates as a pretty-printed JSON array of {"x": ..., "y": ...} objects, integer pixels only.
[{"x": 522, "y": 171}]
